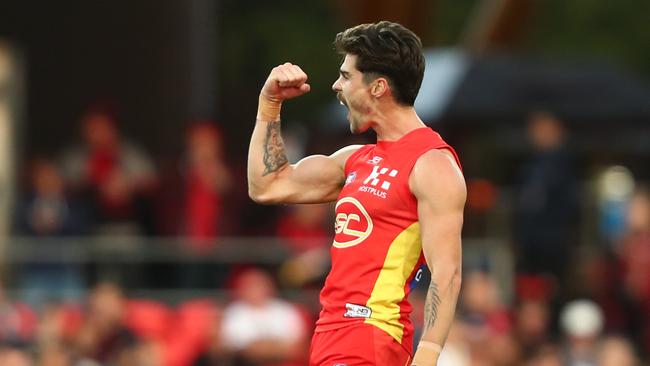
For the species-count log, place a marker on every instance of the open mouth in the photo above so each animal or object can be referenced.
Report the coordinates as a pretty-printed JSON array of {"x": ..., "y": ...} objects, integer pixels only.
[{"x": 343, "y": 103}]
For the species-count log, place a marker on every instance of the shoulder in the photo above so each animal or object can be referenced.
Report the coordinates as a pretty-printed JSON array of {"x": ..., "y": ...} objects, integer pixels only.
[
  {"x": 326, "y": 165},
  {"x": 437, "y": 174},
  {"x": 341, "y": 156},
  {"x": 437, "y": 158},
  {"x": 345, "y": 152}
]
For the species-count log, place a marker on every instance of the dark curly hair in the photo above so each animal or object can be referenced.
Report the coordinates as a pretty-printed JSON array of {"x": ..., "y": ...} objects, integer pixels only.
[{"x": 389, "y": 50}]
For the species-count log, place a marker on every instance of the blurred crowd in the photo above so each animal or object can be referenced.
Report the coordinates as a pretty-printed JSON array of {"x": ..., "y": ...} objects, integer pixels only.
[
  {"x": 255, "y": 327},
  {"x": 570, "y": 305},
  {"x": 107, "y": 184}
]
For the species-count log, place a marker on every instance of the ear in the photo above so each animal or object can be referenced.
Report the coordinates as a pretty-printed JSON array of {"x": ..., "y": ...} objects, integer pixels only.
[{"x": 379, "y": 87}]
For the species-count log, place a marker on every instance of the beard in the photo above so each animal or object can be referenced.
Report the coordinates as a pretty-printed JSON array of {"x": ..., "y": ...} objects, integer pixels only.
[
  {"x": 356, "y": 117},
  {"x": 350, "y": 118},
  {"x": 357, "y": 125},
  {"x": 341, "y": 99}
]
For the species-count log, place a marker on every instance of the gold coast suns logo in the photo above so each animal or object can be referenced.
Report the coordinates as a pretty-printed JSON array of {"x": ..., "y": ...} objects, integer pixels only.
[{"x": 353, "y": 224}]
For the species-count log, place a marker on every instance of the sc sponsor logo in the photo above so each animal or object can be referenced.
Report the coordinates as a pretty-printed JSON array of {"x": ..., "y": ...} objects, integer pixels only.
[{"x": 352, "y": 225}]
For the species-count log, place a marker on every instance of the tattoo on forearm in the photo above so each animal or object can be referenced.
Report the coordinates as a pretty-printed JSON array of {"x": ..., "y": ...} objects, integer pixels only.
[
  {"x": 431, "y": 306},
  {"x": 274, "y": 154}
]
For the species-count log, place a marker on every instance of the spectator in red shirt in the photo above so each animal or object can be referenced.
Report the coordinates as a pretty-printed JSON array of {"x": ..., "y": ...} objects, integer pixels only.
[
  {"x": 305, "y": 227},
  {"x": 193, "y": 191},
  {"x": 207, "y": 179},
  {"x": 306, "y": 231},
  {"x": 115, "y": 175}
]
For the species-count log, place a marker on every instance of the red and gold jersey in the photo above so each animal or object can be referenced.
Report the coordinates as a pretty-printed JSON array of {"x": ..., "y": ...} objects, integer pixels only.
[{"x": 377, "y": 250}]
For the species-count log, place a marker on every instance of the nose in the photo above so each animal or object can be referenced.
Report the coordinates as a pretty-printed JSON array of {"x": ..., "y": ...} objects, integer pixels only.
[{"x": 336, "y": 87}]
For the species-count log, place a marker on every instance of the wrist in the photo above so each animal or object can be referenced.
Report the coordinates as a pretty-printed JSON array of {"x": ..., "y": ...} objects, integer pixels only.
[
  {"x": 268, "y": 109},
  {"x": 427, "y": 354}
]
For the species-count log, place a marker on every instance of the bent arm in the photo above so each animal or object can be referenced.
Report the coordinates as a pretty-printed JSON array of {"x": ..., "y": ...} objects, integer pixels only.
[
  {"x": 271, "y": 179},
  {"x": 438, "y": 185}
]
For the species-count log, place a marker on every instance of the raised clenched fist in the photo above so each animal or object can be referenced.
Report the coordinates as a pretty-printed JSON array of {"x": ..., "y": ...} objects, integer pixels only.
[{"x": 285, "y": 82}]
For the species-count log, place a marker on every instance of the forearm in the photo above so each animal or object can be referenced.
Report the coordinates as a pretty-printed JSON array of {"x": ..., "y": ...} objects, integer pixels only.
[
  {"x": 439, "y": 312},
  {"x": 266, "y": 153}
]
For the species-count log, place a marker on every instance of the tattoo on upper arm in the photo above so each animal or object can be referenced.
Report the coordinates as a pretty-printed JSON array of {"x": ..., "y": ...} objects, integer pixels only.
[
  {"x": 274, "y": 154},
  {"x": 431, "y": 306}
]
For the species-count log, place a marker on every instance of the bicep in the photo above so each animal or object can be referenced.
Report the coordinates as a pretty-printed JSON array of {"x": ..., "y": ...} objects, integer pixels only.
[{"x": 314, "y": 179}]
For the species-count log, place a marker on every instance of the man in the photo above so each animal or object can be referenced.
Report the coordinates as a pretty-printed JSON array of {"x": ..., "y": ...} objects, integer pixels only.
[
  {"x": 399, "y": 202},
  {"x": 547, "y": 203},
  {"x": 258, "y": 328}
]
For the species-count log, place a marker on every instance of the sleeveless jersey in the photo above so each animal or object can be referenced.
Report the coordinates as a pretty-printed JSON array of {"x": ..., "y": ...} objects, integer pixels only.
[{"x": 377, "y": 251}]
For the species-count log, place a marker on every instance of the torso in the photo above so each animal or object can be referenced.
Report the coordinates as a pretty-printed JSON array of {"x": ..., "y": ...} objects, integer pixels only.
[{"x": 377, "y": 252}]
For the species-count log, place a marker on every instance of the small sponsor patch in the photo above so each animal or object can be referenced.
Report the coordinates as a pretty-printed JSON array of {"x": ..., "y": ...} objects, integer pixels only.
[
  {"x": 351, "y": 177},
  {"x": 357, "y": 311}
]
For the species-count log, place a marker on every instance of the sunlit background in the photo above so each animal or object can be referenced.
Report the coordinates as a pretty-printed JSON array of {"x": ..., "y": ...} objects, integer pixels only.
[{"x": 127, "y": 236}]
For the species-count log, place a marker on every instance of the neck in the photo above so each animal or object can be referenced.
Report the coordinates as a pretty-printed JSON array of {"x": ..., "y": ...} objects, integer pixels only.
[{"x": 394, "y": 121}]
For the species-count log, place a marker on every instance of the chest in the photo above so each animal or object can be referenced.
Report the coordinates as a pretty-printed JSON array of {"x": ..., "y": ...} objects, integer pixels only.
[
  {"x": 376, "y": 179},
  {"x": 375, "y": 197}
]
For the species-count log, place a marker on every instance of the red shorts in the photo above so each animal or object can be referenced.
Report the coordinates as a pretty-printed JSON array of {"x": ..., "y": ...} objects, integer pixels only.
[{"x": 356, "y": 345}]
